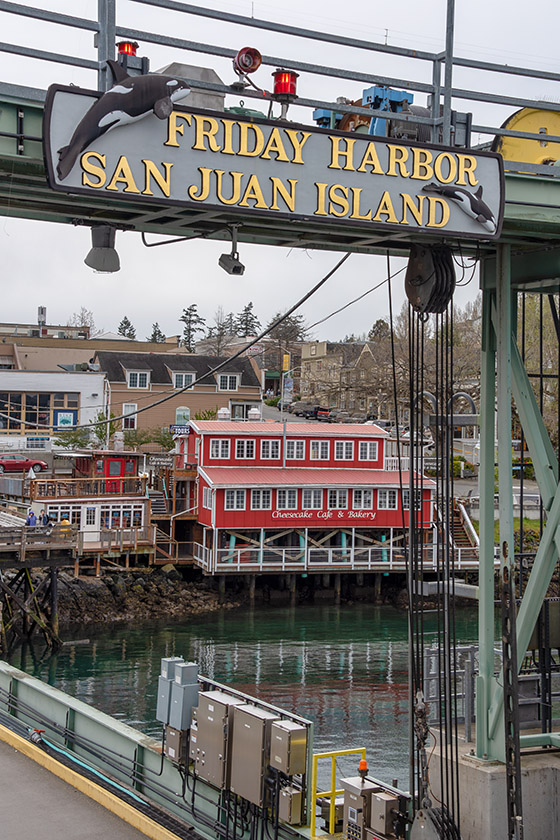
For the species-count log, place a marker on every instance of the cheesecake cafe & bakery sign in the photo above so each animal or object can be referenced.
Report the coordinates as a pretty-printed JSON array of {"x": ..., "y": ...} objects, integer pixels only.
[{"x": 140, "y": 140}]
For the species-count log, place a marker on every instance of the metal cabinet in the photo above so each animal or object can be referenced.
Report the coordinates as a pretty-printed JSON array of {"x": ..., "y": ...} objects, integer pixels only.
[
  {"x": 210, "y": 738},
  {"x": 250, "y": 751}
]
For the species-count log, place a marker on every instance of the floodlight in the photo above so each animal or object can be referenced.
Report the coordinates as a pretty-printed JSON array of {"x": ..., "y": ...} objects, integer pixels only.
[
  {"x": 103, "y": 257},
  {"x": 246, "y": 61}
]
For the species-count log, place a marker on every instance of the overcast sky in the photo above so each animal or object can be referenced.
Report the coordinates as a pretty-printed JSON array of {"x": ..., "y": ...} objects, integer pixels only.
[{"x": 43, "y": 263}]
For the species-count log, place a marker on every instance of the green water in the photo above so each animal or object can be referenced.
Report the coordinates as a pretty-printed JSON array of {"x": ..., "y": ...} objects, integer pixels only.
[{"x": 344, "y": 667}]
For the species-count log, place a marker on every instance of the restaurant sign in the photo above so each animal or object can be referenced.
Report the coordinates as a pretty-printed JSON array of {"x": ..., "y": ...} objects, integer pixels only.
[{"x": 136, "y": 141}]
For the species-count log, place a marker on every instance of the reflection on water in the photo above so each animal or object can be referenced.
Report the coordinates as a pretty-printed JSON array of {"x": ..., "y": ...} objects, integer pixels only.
[{"x": 345, "y": 668}]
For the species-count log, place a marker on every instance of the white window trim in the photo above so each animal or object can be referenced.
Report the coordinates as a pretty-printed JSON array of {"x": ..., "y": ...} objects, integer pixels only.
[
  {"x": 295, "y": 457},
  {"x": 236, "y": 506},
  {"x": 139, "y": 387},
  {"x": 229, "y": 376},
  {"x": 313, "y": 506},
  {"x": 337, "y": 491},
  {"x": 362, "y": 490},
  {"x": 344, "y": 444},
  {"x": 133, "y": 408},
  {"x": 286, "y": 490},
  {"x": 182, "y": 373},
  {"x": 220, "y": 457},
  {"x": 368, "y": 443},
  {"x": 260, "y": 491},
  {"x": 384, "y": 492},
  {"x": 246, "y": 457},
  {"x": 406, "y": 498},
  {"x": 270, "y": 457},
  {"x": 320, "y": 444}
]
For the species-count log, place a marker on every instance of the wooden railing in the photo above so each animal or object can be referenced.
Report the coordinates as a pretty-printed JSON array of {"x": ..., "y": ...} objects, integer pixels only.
[
  {"x": 34, "y": 537},
  {"x": 67, "y": 488}
]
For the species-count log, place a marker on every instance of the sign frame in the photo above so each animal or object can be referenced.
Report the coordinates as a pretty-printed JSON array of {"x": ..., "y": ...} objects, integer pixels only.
[{"x": 233, "y": 212}]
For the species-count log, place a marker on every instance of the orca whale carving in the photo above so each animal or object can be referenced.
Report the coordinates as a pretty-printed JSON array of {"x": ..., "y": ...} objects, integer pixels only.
[
  {"x": 130, "y": 99},
  {"x": 470, "y": 203}
]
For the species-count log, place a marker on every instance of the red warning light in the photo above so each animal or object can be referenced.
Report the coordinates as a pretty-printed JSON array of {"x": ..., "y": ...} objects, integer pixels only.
[
  {"x": 285, "y": 85},
  {"x": 127, "y": 48}
]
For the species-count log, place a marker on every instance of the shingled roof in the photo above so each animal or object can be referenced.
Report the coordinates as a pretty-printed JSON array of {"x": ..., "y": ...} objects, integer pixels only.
[{"x": 161, "y": 365}]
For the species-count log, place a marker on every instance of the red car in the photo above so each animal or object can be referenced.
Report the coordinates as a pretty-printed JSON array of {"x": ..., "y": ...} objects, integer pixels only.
[{"x": 18, "y": 463}]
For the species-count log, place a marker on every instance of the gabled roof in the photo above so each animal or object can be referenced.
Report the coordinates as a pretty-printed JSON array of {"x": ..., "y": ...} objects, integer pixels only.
[
  {"x": 293, "y": 430},
  {"x": 115, "y": 364}
]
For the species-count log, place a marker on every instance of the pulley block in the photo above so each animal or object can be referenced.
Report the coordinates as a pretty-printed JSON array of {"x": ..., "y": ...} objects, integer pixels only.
[{"x": 430, "y": 278}]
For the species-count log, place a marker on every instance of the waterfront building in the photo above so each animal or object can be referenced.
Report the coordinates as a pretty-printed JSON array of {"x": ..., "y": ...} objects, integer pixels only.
[{"x": 303, "y": 497}]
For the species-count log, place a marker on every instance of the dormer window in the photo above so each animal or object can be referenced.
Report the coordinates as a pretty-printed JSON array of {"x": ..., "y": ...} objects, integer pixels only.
[
  {"x": 228, "y": 382},
  {"x": 138, "y": 378},
  {"x": 182, "y": 380}
]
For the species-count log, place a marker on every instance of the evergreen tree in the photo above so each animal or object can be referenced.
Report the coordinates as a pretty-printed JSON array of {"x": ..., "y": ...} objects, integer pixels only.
[
  {"x": 193, "y": 325},
  {"x": 379, "y": 330},
  {"x": 126, "y": 329},
  {"x": 229, "y": 324},
  {"x": 247, "y": 322},
  {"x": 157, "y": 336}
]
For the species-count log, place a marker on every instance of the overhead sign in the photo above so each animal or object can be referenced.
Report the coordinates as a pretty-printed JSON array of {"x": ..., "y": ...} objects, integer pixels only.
[
  {"x": 136, "y": 141},
  {"x": 160, "y": 460}
]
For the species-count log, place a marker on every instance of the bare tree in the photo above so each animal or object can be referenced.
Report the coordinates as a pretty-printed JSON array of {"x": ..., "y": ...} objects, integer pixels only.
[{"x": 83, "y": 318}]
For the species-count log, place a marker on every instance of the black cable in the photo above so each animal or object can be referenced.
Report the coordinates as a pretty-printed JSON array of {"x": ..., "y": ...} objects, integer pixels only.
[{"x": 211, "y": 372}]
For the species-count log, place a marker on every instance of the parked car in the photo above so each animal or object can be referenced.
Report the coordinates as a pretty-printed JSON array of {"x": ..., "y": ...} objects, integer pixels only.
[
  {"x": 18, "y": 462},
  {"x": 284, "y": 405},
  {"x": 324, "y": 414},
  {"x": 338, "y": 415}
]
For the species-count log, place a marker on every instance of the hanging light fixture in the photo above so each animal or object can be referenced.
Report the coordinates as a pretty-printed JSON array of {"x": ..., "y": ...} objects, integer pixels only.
[{"x": 103, "y": 257}]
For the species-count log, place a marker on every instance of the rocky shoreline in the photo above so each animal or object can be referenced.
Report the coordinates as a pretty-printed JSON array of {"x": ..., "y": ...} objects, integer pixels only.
[{"x": 142, "y": 595}]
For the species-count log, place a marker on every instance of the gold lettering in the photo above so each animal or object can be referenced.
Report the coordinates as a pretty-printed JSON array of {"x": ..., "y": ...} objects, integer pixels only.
[
  {"x": 298, "y": 144},
  {"x": 438, "y": 167},
  {"x": 398, "y": 155},
  {"x": 258, "y": 140},
  {"x": 89, "y": 166},
  {"x": 174, "y": 128},
  {"x": 386, "y": 209},
  {"x": 280, "y": 189},
  {"x": 321, "y": 199},
  {"x": 356, "y": 195},
  {"x": 163, "y": 180},
  {"x": 228, "y": 137},
  {"x": 370, "y": 159},
  {"x": 409, "y": 204},
  {"x": 274, "y": 144},
  {"x": 235, "y": 189},
  {"x": 421, "y": 164},
  {"x": 433, "y": 203},
  {"x": 253, "y": 192},
  {"x": 209, "y": 133},
  {"x": 467, "y": 165},
  {"x": 123, "y": 175},
  {"x": 337, "y": 152},
  {"x": 204, "y": 192},
  {"x": 338, "y": 200}
]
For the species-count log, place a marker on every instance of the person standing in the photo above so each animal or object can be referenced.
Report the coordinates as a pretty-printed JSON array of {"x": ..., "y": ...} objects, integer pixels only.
[
  {"x": 44, "y": 519},
  {"x": 31, "y": 518}
]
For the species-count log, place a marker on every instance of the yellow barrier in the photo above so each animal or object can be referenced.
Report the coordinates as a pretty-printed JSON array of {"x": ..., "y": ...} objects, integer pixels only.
[{"x": 333, "y": 792}]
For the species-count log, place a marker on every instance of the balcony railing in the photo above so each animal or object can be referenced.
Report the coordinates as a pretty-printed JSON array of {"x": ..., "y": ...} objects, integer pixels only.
[
  {"x": 289, "y": 559},
  {"x": 67, "y": 488},
  {"x": 392, "y": 463}
]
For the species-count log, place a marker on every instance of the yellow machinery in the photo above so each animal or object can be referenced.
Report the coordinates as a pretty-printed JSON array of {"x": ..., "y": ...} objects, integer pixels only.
[{"x": 535, "y": 121}]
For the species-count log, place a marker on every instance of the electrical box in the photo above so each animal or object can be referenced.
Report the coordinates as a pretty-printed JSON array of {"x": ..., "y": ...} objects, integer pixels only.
[
  {"x": 211, "y": 737},
  {"x": 289, "y": 805},
  {"x": 288, "y": 747},
  {"x": 381, "y": 817},
  {"x": 338, "y": 814},
  {"x": 183, "y": 698},
  {"x": 357, "y": 803},
  {"x": 163, "y": 705},
  {"x": 168, "y": 666},
  {"x": 186, "y": 673},
  {"x": 193, "y": 736},
  {"x": 250, "y": 751},
  {"x": 176, "y": 744}
]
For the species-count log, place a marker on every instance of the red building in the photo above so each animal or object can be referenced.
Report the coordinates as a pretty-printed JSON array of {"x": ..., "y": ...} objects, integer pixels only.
[{"x": 275, "y": 497}]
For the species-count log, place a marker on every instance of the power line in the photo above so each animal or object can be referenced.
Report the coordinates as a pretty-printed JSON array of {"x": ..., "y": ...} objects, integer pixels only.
[{"x": 210, "y": 373}]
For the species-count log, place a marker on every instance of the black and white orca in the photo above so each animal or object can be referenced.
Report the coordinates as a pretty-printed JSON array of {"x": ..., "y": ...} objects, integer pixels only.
[
  {"x": 470, "y": 203},
  {"x": 130, "y": 99}
]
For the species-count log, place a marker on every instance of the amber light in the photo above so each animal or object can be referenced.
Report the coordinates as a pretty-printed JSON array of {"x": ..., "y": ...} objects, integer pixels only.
[
  {"x": 127, "y": 47},
  {"x": 285, "y": 84}
]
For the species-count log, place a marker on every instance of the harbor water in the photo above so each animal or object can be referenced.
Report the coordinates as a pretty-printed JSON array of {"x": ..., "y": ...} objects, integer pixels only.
[{"x": 345, "y": 668}]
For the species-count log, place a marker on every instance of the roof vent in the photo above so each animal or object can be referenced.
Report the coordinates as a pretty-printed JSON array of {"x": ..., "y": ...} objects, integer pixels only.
[
  {"x": 254, "y": 413},
  {"x": 224, "y": 414}
]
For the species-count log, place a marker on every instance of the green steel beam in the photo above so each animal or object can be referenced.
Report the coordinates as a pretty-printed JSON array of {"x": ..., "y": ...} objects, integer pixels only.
[{"x": 486, "y": 567}]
